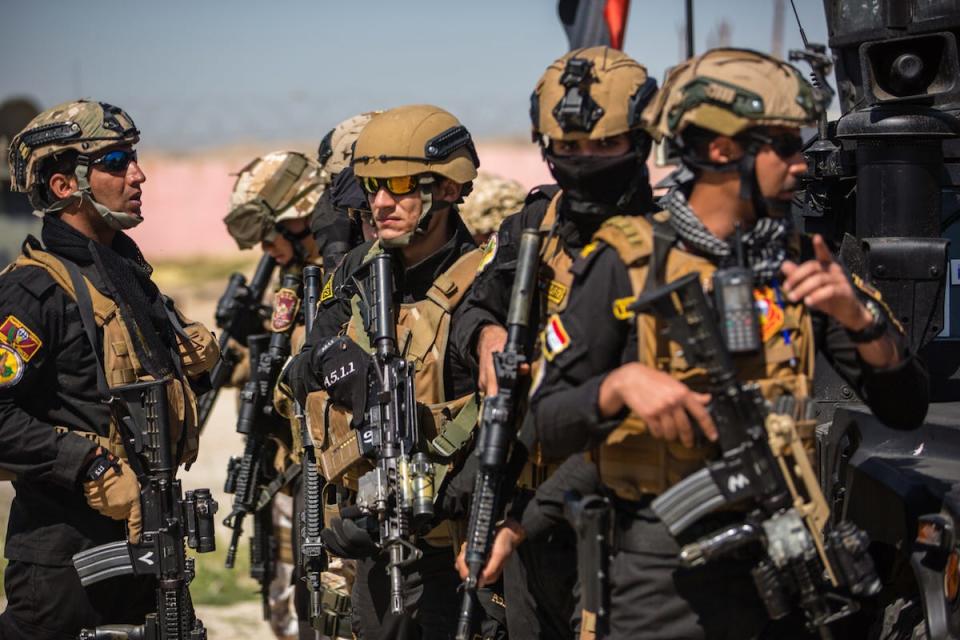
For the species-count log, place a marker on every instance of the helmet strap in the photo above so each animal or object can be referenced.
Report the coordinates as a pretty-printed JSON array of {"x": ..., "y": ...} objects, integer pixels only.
[
  {"x": 428, "y": 207},
  {"x": 116, "y": 220}
]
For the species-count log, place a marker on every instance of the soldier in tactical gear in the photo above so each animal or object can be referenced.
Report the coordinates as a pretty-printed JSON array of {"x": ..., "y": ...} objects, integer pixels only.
[
  {"x": 493, "y": 198},
  {"x": 415, "y": 164},
  {"x": 616, "y": 388},
  {"x": 339, "y": 222},
  {"x": 585, "y": 113},
  {"x": 80, "y": 315}
]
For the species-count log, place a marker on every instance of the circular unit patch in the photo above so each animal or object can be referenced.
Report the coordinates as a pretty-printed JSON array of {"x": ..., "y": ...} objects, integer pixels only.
[{"x": 11, "y": 366}]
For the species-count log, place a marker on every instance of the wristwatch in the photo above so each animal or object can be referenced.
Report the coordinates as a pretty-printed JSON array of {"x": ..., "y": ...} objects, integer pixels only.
[{"x": 874, "y": 330}]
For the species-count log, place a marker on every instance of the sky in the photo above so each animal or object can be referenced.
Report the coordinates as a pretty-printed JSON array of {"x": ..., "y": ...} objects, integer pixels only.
[{"x": 196, "y": 74}]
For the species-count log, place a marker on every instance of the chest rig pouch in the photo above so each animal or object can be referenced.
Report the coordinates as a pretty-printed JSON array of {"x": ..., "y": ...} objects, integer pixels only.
[
  {"x": 423, "y": 331},
  {"x": 197, "y": 353},
  {"x": 631, "y": 462}
]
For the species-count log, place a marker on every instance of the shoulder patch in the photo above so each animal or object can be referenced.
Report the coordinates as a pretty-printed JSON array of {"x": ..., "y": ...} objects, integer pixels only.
[
  {"x": 621, "y": 308},
  {"x": 587, "y": 250},
  {"x": 874, "y": 294},
  {"x": 556, "y": 292},
  {"x": 285, "y": 306},
  {"x": 16, "y": 335},
  {"x": 11, "y": 366},
  {"x": 327, "y": 292},
  {"x": 489, "y": 253},
  {"x": 555, "y": 338}
]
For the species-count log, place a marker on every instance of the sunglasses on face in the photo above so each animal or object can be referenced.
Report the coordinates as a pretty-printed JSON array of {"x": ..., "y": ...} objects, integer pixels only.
[
  {"x": 116, "y": 161},
  {"x": 785, "y": 145},
  {"x": 399, "y": 186}
]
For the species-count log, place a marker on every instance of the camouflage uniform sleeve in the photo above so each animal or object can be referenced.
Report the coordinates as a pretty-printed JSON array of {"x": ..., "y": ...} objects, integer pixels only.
[
  {"x": 580, "y": 347},
  {"x": 32, "y": 314}
]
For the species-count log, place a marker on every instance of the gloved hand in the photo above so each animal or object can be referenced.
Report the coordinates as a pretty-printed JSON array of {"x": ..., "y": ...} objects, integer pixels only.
[
  {"x": 345, "y": 538},
  {"x": 112, "y": 488},
  {"x": 343, "y": 367}
]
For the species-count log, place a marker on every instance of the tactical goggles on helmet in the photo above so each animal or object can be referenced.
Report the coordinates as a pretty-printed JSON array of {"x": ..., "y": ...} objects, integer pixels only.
[
  {"x": 785, "y": 145},
  {"x": 115, "y": 161},
  {"x": 398, "y": 186}
]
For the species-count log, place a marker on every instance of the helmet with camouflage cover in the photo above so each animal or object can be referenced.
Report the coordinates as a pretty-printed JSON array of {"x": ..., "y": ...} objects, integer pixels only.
[
  {"x": 336, "y": 148},
  {"x": 591, "y": 93},
  {"x": 84, "y": 127},
  {"x": 728, "y": 91},
  {"x": 493, "y": 198},
  {"x": 279, "y": 186},
  {"x": 735, "y": 93},
  {"x": 417, "y": 140}
]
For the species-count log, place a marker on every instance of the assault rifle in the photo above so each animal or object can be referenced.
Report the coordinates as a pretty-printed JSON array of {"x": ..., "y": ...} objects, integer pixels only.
[
  {"x": 239, "y": 314},
  {"x": 311, "y": 546},
  {"x": 168, "y": 518},
  {"x": 246, "y": 475},
  {"x": 399, "y": 490},
  {"x": 764, "y": 462},
  {"x": 497, "y": 428}
]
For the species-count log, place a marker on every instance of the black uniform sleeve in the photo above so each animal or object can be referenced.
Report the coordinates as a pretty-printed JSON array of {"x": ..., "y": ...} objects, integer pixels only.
[
  {"x": 546, "y": 509},
  {"x": 332, "y": 317},
  {"x": 581, "y": 347},
  {"x": 29, "y": 446},
  {"x": 898, "y": 395},
  {"x": 489, "y": 296}
]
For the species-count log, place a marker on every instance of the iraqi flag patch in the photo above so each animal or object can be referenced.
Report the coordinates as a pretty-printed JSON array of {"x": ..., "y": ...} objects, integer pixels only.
[{"x": 555, "y": 338}]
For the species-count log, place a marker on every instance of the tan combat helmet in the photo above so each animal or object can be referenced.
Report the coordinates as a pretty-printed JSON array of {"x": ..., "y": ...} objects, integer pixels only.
[
  {"x": 493, "y": 198},
  {"x": 412, "y": 140},
  {"x": 83, "y": 126},
  {"x": 336, "y": 148},
  {"x": 591, "y": 94},
  {"x": 282, "y": 185},
  {"x": 728, "y": 91},
  {"x": 735, "y": 93},
  {"x": 417, "y": 140}
]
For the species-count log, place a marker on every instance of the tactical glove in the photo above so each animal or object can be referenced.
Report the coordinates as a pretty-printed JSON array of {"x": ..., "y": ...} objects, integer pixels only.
[
  {"x": 348, "y": 539},
  {"x": 343, "y": 368},
  {"x": 112, "y": 488}
]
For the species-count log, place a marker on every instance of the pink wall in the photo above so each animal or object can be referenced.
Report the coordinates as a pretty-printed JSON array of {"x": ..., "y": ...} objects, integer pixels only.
[{"x": 186, "y": 199}]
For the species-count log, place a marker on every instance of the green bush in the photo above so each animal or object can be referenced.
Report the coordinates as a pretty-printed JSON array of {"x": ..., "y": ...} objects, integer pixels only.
[{"x": 217, "y": 585}]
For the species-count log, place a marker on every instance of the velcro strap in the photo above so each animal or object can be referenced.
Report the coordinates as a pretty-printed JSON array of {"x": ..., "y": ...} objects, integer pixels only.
[
  {"x": 453, "y": 435},
  {"x": 282, "y": 480}
]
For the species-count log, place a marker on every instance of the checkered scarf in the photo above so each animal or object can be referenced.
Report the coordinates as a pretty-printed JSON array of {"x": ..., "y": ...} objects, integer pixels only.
[{"x": 764, "y": 246}]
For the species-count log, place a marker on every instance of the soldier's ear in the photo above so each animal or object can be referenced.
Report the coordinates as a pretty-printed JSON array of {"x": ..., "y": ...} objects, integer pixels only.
[
  {"x": 723, "y": 149},
  {"x": 449, "y": 190},
  {"x": 61, "y": 185}
]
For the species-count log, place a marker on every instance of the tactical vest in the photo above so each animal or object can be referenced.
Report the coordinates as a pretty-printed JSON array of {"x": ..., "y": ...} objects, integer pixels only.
[
  {"x": 555, "y": 282},
  {"x": 424, "y": 327},
  {"x": 197, "y": 350},
  {"x": 630, "y": 461}
]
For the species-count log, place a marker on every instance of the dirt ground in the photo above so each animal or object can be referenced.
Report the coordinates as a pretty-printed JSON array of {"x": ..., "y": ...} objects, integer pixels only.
[{"x": 219, "y": 441}]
